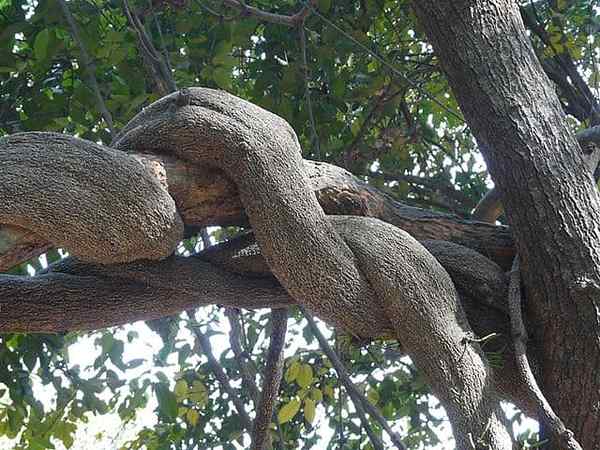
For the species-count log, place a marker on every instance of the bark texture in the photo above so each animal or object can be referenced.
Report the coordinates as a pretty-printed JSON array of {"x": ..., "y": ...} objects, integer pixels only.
[
  {"x": 205, "y": 196},
  {"x": 360, "y": 274},
  {"x": 95, "y": 201},
  {"x": 549, "y": 197}
]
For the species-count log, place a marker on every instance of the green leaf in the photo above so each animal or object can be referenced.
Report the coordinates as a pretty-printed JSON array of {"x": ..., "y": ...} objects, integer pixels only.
[
  {"x": 288, "y": 411},
  {"x": 316, "y": 394},
  {"x": 181, "y": 389},
  {"x": 198, "y": 393},
  {"x": 167, "y": 402},
  {"x": 373, "y": 396},
  {"x": 192, "y": 417},
  {"x": 305, "y": 376},
  {"x": 40, "y": 45},
  {"x": 309, "y": 410},
  {"x": 292, "y": 372},
  {"x": 324, "y": 5}
]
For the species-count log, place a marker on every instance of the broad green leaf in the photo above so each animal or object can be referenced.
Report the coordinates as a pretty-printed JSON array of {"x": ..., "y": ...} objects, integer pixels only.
[
  {"x": 181, "y": 389},
  {"x": 288, "y": 411},
  {"x": 316, "y": 394},
  {"x": 309, "y": 410},
  {"x": 40, "y": 45},
  {"x": 292, "y": 372},
  {"x": 305, "y": 376}
]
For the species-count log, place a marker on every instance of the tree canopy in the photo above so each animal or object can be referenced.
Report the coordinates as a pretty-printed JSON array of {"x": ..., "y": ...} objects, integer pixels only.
[{"x": 389, "y": 128}]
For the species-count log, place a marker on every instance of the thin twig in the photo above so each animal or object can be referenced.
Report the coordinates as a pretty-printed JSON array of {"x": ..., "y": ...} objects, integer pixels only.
[
  {"x": 556, "y": 426},
  {"x": 162, "y": 41},
  {"x": 366, "y": 125},
  {"x": 147, "y": 48},
  {"x": 218, "y": 372},
  {"x": 89, "y": 67},
  {"x": 379, "y": 58},
  {"x": 313, "y": 127},
  {"x": 247, "y": 369},
  {"x": 264, "y": 16},
  {"x": 271, "y": 380},
  {"x": 361, "y": 403}
]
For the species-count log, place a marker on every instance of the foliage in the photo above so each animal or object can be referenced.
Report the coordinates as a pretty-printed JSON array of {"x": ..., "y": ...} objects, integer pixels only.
[{"x": 380, "y": 107}]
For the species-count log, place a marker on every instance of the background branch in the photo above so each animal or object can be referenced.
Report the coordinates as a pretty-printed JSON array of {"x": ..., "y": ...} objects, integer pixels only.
[
  {"x": 89, "y": 67},
  {"x": 204, "y": 343},
  {"x": 271, "y": 381},
  {"x": 361, "y": 403}
]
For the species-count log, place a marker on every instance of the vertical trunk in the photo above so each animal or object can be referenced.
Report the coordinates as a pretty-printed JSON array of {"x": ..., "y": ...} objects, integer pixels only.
[{"x": 549, "y": 197}]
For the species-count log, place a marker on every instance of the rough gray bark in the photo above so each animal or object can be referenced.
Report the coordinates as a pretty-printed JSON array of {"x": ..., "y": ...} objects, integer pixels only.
[
  {"x": 205, "y": 196},
  {"x": 549, "y": 196},
  {"x": 326, "y": 264},
  {"x": 93, "y": 200},
  {"x": 313, "y": 260}
]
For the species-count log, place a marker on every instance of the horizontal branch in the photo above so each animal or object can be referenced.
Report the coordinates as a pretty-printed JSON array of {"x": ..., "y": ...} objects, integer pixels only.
[
  {"x": 205, "y": 197},
  {"x": 265, "y": 16},
  {"x": 78, "y": 296}
]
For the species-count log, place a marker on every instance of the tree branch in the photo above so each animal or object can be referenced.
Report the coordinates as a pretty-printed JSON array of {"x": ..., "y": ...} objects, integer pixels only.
[
  {"x": 205, "y": 196},
  {"x": 519, "y": 335},
  {"x": 89, "y": 67},
  {"x": 204, "y": 343},
  {"x": 360, "y": 401},
  {"x": 161, "y": 71},
  {"x": 247, "y": 369},
  {"x": 264, "y": 16},
  {"x": 271, "y": 380}
]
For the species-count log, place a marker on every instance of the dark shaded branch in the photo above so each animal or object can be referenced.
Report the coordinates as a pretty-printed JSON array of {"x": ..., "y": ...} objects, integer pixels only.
[
  {"x": 264, "y": 16},
  {"x": 78, "y": 296},
  {"x": 360, "y": 401},
  {"x": 206, "y": 197},
  {"x": 89, "y": 67},
  {"x": 244, "y": 361},
  {"x": 519, "y": 334},
  {"x": 204, "y": 343},
  {"x": 562, "y": 70},
  {"x": 271, "y": 380},
  {"x": 160, "y": 70}
]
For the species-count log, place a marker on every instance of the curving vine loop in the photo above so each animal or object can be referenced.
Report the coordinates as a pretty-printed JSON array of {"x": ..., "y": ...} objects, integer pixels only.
[
  {"x": 325, "y": 263},
  {"x": 363, "y": 275}
]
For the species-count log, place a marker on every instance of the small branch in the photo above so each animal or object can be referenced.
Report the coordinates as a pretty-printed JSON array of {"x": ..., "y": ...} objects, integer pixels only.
[
  {"x": 436, "y": 184},
  {"x": 490, "y": 208},
  {"x": 247, "y": 369},
  {"x": 272, "y": 380},
  {"x": 589, "y": 135},
  {"x": 374, "y": 113},
  {"x": 160, "y": 67},
  {"x": 545, "y": 412},
  {"x": 361, "y": 403},
  {"x": 218, "y": 372},
  {"x": 280, "y": 19},
  {"x": 313, "y": 127},
  {"x": 89, "y": 67}
]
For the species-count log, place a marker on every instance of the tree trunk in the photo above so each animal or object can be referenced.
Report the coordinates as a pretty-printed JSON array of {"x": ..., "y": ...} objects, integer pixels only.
[{"x": 549, "y": 196}]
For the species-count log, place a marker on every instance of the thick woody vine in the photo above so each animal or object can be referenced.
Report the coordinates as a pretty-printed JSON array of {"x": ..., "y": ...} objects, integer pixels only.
[{"x": 361, "y": 275}]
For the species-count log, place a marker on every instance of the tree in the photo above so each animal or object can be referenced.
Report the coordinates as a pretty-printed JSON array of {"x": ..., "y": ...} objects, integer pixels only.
[{"x": 361, "y": 88}]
